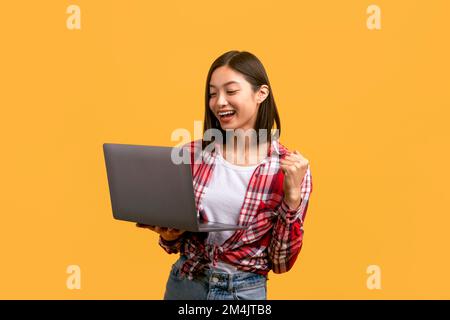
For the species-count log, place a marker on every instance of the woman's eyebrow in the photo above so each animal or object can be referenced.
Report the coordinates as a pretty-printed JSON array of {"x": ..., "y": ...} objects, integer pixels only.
[{"x": 227, "y": 83}]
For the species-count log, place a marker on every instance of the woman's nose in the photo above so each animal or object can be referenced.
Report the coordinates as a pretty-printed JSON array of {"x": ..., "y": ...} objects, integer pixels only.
[{"x": 221, "y": 100}]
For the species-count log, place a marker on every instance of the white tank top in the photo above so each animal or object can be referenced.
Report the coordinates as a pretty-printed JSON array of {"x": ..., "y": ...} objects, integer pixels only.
[{"x": 224, "y": 198}]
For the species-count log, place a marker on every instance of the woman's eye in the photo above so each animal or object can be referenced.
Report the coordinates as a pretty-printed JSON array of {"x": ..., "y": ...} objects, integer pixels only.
[{"x": 229, "y": 92}]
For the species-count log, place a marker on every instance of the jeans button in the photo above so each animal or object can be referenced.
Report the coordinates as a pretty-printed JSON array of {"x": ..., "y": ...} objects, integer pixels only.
[{"x": 215, "y": 280}]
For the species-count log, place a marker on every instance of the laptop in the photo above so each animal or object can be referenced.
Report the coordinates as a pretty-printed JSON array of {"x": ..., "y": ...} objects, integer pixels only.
[{"x": 147, "y": 187}]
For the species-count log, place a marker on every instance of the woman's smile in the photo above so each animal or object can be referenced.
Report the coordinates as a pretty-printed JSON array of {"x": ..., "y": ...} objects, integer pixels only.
[{"x": 226, "y": 115}]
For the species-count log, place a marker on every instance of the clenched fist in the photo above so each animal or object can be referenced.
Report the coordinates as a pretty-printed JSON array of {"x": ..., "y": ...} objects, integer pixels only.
[{"x": 294, "y": 167}]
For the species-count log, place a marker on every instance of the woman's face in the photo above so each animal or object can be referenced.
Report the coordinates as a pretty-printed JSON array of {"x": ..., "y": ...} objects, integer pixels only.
[{"x": 230, "y": 91}]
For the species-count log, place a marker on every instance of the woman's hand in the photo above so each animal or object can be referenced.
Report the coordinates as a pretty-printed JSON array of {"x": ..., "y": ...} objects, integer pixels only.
[
  {"x": 294, "y": 167},
  {"x": 167, "y": 234}
]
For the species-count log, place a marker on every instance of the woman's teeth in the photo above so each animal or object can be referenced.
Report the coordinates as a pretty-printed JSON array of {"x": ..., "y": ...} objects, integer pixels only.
[{"x": 226, "y": 113}]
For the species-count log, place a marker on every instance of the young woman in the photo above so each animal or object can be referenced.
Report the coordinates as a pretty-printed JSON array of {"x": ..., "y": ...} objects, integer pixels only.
[{"x": 268, "y": 193}]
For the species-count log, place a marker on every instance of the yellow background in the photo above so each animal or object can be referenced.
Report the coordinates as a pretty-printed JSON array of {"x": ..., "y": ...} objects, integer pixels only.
[{"x": 369, "y": 109}]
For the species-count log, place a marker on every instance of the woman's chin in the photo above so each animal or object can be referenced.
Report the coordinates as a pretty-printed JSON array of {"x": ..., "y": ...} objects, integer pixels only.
[{"x": 228, "y": 126}]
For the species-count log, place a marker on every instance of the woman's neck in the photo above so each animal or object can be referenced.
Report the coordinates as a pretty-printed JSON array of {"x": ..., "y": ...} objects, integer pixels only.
[{"x": 244, "y": 154}]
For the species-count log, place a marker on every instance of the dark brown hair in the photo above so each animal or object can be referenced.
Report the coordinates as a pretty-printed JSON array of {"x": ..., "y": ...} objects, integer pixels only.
[{"x": 253, "y": 71}]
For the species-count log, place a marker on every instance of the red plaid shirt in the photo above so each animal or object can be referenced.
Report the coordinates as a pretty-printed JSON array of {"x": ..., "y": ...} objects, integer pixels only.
[{"x": 275, "y": 234}]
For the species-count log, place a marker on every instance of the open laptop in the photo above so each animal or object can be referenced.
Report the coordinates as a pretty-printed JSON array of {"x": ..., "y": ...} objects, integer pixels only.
[{"x": 147, "y": 187}]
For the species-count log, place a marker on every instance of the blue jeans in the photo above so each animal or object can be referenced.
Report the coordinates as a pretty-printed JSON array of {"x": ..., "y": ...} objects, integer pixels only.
[{"x": 215, "y": 285}]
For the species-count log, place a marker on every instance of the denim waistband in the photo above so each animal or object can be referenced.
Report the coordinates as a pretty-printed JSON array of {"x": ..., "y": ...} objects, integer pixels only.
[
  {"x": 238, "y": 280},
  {"x": 228, "y": 281}
]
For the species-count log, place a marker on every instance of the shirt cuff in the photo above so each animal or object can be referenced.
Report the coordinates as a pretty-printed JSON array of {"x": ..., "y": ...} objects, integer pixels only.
[
  {"x": 289, "y": 215},
  {"x": 169, "y": 243}
]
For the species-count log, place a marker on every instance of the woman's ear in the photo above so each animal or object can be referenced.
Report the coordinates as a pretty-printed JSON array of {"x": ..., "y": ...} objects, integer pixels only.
[{"x": 263, "y": 93}]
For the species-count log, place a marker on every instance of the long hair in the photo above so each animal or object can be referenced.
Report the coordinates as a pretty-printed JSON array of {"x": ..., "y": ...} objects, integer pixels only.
[{"x": 253, "y": 71}]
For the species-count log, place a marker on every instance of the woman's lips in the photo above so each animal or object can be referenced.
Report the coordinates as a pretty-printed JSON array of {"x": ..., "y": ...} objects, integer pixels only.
[{"x": 227, "y": 118}]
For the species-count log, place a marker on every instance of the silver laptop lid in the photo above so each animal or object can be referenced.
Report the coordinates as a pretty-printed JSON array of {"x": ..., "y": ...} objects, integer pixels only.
[{"x": 147, "y": 187}]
